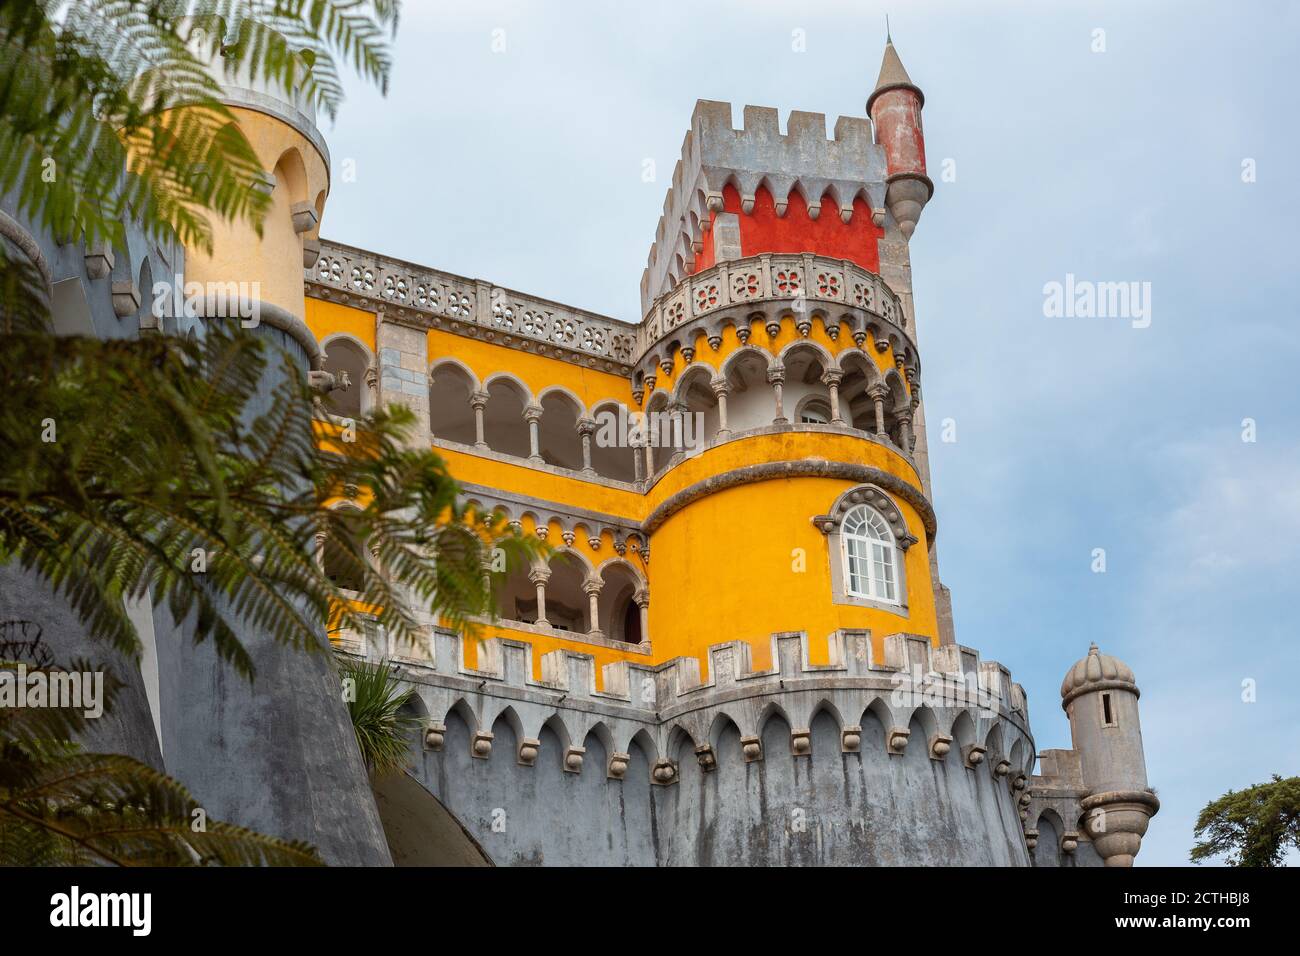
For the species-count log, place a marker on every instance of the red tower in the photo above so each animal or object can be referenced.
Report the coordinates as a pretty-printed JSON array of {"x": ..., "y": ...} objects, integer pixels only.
[{"x": 895, "y": 109}]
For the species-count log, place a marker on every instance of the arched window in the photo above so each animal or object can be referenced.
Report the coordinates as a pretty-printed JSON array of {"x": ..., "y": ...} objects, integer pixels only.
[{"x": 870, "y": 565}]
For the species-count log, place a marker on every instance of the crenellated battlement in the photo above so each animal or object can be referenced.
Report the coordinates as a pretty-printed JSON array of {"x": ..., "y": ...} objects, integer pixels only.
[
  {"x": 845, "y": 166},
  {"x": 949, "y": 691}
]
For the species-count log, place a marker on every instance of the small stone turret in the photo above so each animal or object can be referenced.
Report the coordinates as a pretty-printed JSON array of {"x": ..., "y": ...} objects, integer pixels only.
[
  {"x": 895, "y": 109},
  {"x": 1100, "y": 697}
]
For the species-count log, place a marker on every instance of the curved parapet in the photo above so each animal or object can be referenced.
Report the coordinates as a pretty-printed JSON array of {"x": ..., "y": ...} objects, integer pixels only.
[{"x": 661, "y": 765}]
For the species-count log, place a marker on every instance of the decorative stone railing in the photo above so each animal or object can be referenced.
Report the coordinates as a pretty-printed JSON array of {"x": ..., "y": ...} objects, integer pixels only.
[
  {"x": 468, "y": 306},
  {"x": 820, "y": 283}
]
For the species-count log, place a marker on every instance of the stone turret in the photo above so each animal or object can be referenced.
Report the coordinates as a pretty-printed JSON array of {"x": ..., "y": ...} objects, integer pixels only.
[
  {"x": 895, "y": 109},
  {"x": 1100, "y": 696}
]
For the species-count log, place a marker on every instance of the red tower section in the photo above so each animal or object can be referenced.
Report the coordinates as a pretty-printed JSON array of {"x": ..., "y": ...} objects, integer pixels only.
[
  {"x": 895, "y": 109},
  {"x": 764, "y": 230}
]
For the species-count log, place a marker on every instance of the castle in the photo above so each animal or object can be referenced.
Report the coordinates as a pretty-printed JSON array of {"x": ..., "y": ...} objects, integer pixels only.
[{"x": 782, "y": 683}]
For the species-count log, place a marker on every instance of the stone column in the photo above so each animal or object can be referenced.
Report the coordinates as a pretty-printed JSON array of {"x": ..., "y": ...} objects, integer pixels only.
[
  {"x": 776, "y": 378},
  {"x": 831, "y": 378},
  {"x": 371, "y": 394},
  {"x": 904, "y": 417},
  {"x": 533, "y": 415},
  {"x": 721, "y": 388},
  {"x": 592, "y": 588},
  {"x": 478, "y": 401},
  {"x": 675, "y": 412},
  {"x": 320, "y": 550},
  {"x": 649, "y": 459},
  {"x": 539, "y": 577},
  {"x": 877, "y": 394},
  {"x": 586, "y": 427},
  {"x": 638, "y": 465},
  {"x": 642, "y": 599}
]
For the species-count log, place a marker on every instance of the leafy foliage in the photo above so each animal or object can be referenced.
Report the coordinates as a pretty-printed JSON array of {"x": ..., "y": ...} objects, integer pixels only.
[
  {"x": 376, "y": 703},
  {"x": 1254, "y": 827},
  {"x": 162, "y": 482},
  {"x": 62, "y": 806},
  {"x": 111, "y": 109}
]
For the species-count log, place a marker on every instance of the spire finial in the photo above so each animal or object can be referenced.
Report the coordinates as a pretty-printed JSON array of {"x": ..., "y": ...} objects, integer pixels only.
[{"x": 888, "y": 38}]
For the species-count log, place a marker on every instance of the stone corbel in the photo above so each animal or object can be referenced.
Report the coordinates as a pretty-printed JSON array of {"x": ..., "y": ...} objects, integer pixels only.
[
  {"x": 434, "y": 736},
  {"x": 573, "y": 759},
  {"x": 481, "y": 745},
  {"x": 706, "y": 758},
  {"x": 751, "y": 748},
  {"x": 898, "y": 738},
  {"x": 851, "y": 740},
  {"x": 664, "y": 773},
  {"x": 305, "y": 217},
  {"x": 99, "y": 260},
  {"x": 801, "y": 742},
  {"x": 972, "y": 755},
  {"x": 263, "y": 182},
  {"x": 310, "y": 252},
  {"x": 1001, "y": 767},
  {"x": 528, "y": 749},
  {"x": 126, "y": 298},
  {"x": 1031, "y": 838},
  {"x": 1069, "y": 841},
  {"x": 940, "y": 745},
  {"x": 618, "y": 762}
]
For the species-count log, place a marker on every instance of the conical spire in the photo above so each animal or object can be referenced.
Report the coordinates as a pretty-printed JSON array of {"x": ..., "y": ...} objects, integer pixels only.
[{"x": 892, "y": 76}]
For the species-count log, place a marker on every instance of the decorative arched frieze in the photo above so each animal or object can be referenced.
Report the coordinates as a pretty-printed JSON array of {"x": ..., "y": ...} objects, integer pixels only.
[{"x": 868, "y": 494}]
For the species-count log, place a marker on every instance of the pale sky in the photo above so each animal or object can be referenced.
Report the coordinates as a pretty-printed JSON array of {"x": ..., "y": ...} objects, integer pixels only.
[{"x": 525, "y": 167}]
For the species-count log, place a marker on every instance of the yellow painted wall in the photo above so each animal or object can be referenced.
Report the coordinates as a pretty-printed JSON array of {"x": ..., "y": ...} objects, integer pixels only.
[
  {"x": 327, "y": 318},
  {"x": 538, "y": 372},
  {"x": 721, "y": 568},
  {"x": 272, "y": 260}
]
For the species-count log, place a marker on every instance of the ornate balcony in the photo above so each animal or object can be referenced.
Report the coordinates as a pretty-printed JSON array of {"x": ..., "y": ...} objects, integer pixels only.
[{"x": 839, "y": 292}]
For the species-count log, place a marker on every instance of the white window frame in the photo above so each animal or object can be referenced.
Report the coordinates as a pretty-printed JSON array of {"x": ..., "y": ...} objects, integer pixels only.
[{"x": 870, "y": 561}]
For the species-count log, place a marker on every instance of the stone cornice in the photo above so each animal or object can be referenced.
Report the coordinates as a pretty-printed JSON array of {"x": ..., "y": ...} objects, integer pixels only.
[{"x": 802, "y": 468}]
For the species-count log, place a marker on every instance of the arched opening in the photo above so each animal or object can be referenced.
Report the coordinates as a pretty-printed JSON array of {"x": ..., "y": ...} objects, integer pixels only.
[
  {"x": 348, "y": 362},
  {"x": 345, "y": 557},
  {"x": 699, "y": 409},
  {"x": 559, "y": 443},
  {"x": 804, "y": 390},
  {"x": 620, "y": 615},
  {"x": 504, "y": 427},
  {"x": 514, "y": 591},
  {"x": 566, "y": 601},
  {"x": 750, "y": 403},
  {"x": 451, "y": 417},
  {"x": 857, "y": 406},
  {"x": 612, "y": 454},
  {"x": 657, "y": 436}
]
